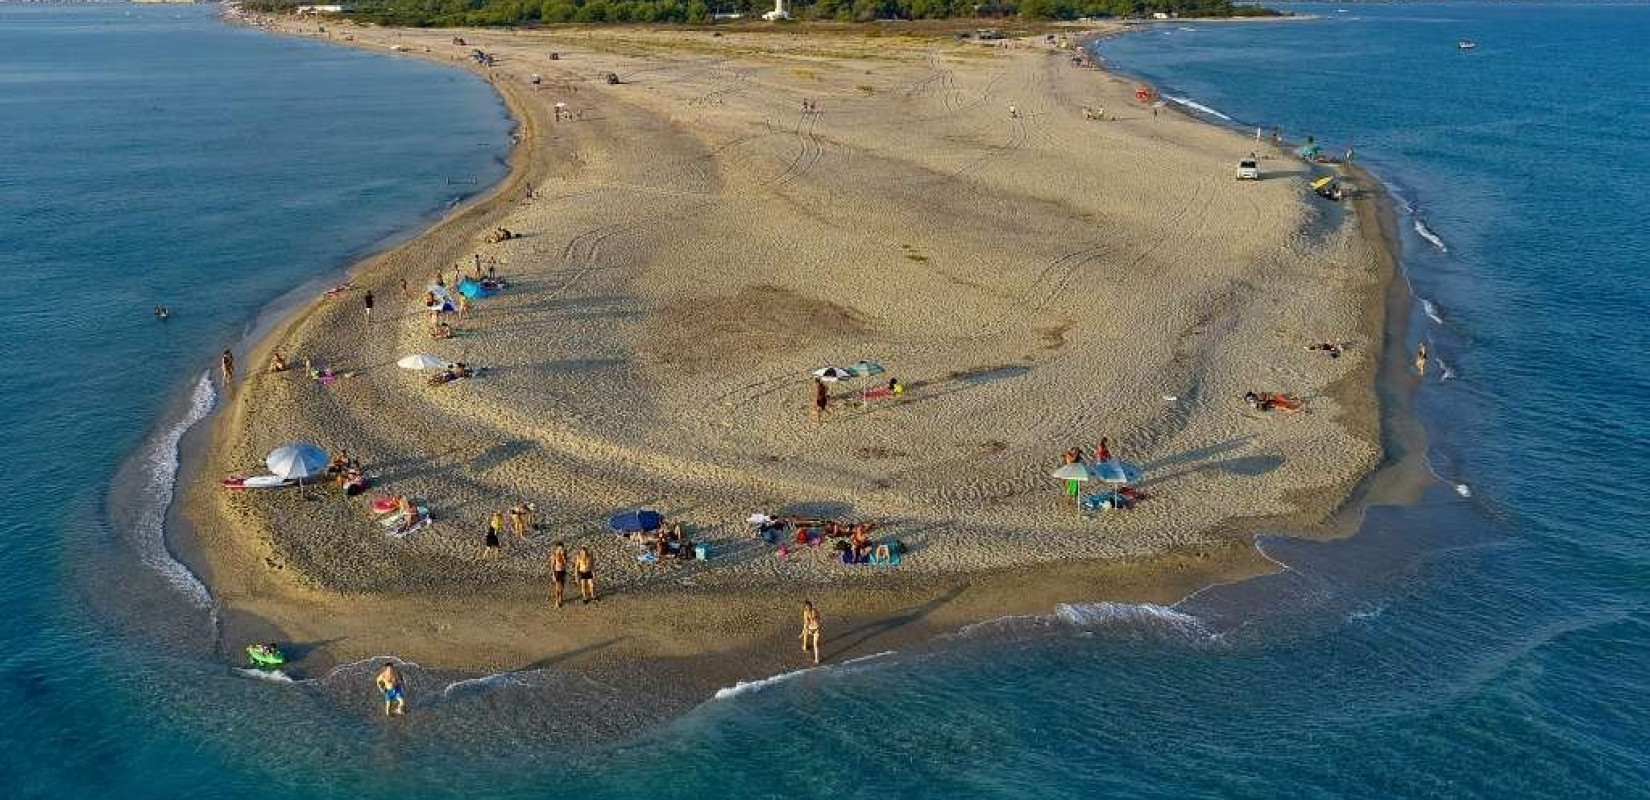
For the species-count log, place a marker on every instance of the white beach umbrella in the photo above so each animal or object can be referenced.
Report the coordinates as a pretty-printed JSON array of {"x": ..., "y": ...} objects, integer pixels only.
[
  {"x": 832, "y": 374},
  {"x": 297, "y": 461},
  {"x": 1073, "y": 472},
  {"x": 421, "y": 361}
]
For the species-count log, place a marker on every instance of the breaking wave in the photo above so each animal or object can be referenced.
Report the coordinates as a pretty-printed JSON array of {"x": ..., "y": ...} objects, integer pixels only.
[
  {"x": 160, "y": 461},
  {"x": 1430, "y": 235},
  {"x": 1196, "y": 106}
]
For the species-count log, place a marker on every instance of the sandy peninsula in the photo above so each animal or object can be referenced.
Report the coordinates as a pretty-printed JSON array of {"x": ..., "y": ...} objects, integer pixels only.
[{"x": 743, "y": 208}]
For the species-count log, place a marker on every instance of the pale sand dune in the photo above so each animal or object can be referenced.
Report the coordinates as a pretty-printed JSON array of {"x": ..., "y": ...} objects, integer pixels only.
[{"x": 698, "y": 244}]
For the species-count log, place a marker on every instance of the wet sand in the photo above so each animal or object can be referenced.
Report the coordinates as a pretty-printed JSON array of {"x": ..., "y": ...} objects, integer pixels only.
[{"x": 695, "y": 244}]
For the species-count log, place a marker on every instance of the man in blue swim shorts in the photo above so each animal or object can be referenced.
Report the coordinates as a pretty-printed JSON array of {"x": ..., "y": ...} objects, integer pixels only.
[{"x": 395, "y": 695}]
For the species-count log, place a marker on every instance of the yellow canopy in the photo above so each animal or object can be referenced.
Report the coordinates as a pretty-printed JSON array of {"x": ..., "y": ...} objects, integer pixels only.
[{"x": 1324, "y": 181}]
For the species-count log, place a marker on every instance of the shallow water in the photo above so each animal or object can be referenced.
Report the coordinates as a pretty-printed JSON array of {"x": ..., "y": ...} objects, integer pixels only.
[{"x": 1490, "y": 641}]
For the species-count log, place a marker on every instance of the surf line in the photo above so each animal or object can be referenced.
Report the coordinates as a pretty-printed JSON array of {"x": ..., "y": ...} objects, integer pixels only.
[{"x": 161, "y": 462}]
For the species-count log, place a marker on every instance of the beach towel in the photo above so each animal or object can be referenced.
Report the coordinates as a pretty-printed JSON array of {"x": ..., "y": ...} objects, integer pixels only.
[
  {"x": 395, "y": 520},
  {"x": 421, "y": 525}
]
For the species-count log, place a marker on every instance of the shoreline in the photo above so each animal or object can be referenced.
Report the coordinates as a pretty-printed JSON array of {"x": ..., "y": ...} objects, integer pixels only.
[{"x": 1162, "y": 579}]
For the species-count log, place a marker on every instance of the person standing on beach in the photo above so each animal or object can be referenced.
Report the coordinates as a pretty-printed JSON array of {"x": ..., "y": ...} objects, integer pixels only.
[
  {"x": 493, "y": 527},
  {"x": 585, "y": 565},
  {"x": 368, "y": 300},
  {"x": 228, "y": 363},
  {"x": 822, "y": 399},
  {"x": 406, "y": 293},
  {"x": 1074, "y": 488},
  {"x": 1102, "y": 453},
  {"x": 810, "y": 629},
  {"x": 518, "y": 522},
  {"x": 558, "y": 573},
  {"x": 395, "y": 692}
]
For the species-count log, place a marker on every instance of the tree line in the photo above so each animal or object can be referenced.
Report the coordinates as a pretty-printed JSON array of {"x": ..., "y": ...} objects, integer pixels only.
[{"x": 452, "y": 13}]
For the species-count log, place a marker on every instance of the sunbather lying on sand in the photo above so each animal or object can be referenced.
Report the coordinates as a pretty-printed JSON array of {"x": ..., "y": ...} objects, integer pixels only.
[
  {"x": 453, "y": 372},
  {"x": 1267, "y": 401},
  {"x": 1334, "y": 349}
]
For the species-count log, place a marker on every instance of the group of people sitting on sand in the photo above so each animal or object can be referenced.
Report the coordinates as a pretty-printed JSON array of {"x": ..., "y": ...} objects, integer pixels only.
[
  {"x": 671, "y": 542},
  {"x": 854, "y": 542},
  {"x": 345, "y": 472},
  {"x": 499, "y": 235}
]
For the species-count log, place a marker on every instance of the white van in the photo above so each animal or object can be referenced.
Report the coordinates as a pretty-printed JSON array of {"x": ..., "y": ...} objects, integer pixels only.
[{"x": 1248, "y": 170}]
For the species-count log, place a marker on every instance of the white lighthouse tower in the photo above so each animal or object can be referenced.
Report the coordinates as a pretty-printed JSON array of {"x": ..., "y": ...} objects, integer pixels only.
[{"x": 778, "y": 12}]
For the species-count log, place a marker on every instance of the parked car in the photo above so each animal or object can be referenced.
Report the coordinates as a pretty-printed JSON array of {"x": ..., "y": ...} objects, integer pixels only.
[{"x": 1248, "y": 170}]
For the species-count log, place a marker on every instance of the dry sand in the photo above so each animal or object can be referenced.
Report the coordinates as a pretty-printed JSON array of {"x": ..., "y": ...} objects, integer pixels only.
[{"x": 695, "y": 245}]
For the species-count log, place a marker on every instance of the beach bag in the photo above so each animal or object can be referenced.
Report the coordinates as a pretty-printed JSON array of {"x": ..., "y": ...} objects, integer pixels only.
[
  {"x": 701, "y": 551},
  {"x": 848, "y": 556}
]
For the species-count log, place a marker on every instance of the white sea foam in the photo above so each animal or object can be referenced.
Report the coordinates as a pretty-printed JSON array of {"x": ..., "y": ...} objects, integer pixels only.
[
  {"x": 1444, "y": 372},
  {"x": 1196, "y": 106},
  {"x": 1430, "y": 235},
  {"x": 271, "y": 675},
  {"x": 1148, "y": 616},
  {"x": 483, "y": 682},
  {"x": 1367, "y": 612},
  {"x": 1463, "y": 490},
  {"x": 161, "y": 469},
  {"x": 1431, "y": 311},
  {"x": 743, "y": 687},
  {"x": 762, "y": 683}
]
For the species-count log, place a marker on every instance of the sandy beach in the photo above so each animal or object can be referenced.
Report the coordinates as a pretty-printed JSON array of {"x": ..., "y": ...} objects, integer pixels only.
[{"x": 693, "y": 242}]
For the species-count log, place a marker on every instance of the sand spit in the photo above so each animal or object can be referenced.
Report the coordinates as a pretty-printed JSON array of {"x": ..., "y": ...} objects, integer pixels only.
[{"x": 693, "y": 242}]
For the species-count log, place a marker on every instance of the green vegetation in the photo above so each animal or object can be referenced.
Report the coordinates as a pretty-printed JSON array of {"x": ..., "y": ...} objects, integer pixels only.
[{"x": 443, "y": 13}]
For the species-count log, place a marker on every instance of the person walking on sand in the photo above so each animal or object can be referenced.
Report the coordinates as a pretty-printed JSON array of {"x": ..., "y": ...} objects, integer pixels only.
[
  {"x": 395, "y": 692},
  {"x": 810, "y": 629},
  {"x": 1102, "y": 453},
  {"x": 822, "y": 399},
  {"x": 585, "y": 565},
  {"x": 368, "y": 300},
  {"x": 558, "y": 573},
  {"x": 228, "y": 363},
  {"x": 1421, "y": 360},
  {"x": 494, "y": 525}
]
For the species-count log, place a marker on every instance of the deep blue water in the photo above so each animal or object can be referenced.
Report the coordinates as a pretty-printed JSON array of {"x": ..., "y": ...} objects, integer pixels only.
[{"x": 1496, "y": 645}]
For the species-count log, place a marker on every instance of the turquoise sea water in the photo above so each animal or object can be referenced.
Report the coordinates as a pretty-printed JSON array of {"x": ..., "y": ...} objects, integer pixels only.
[{"x": 1493, "y": 640}]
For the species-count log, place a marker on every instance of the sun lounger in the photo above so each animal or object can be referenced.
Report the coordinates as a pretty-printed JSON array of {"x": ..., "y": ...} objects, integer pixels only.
[{"x": 238, "y": 482}]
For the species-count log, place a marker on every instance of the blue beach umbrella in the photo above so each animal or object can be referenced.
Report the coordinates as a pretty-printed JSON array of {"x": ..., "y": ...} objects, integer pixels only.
[
  {"x": 1116, "y": 472},
  {"x": 865, "y": 369},
  {"x": 636, "y": 521}
]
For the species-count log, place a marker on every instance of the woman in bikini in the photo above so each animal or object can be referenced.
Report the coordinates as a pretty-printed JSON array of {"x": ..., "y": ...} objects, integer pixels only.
[{"x": 810, "y": 629}]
